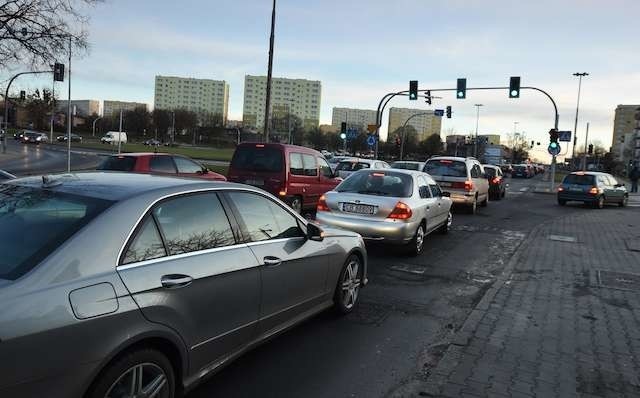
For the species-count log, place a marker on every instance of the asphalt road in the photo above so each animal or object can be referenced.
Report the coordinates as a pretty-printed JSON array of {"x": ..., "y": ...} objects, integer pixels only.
[
  {"x": 28, "y": 159},
  {"x": 406, "y": 315}
]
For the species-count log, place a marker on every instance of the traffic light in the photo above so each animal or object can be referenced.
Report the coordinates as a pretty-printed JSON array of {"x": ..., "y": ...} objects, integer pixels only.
[
  {"x": 461, "y": 92},
  {"x": 590, "y": 151},
  {"x": 343, "y": 130},
  {"x": 428, "y": 97},
  {"x": 23, "y": 95},
  {"x": 448, "y": 112},
  {"x": 514, "y": 87},
  {"x": 58, "y": 72},
  {"x": 553, "y": 136},
  {"x": 413, "y": 90}
]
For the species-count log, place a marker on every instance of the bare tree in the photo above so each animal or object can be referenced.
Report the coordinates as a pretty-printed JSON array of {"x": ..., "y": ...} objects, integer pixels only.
[{"x": 37, "y": 32}]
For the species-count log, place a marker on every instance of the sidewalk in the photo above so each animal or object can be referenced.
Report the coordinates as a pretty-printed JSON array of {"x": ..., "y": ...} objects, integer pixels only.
[{"x": 562, "y": 321}]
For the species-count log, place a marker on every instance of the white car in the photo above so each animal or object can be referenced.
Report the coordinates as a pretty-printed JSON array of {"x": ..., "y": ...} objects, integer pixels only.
[{"x": 347, "y": 167}]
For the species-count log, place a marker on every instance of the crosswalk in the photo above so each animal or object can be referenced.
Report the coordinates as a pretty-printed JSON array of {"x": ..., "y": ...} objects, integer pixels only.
[{"x": 634, "y": 200}]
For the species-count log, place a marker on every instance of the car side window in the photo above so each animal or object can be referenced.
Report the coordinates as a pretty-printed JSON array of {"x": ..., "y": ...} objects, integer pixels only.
[
  {"x": 602, "y": 181},
  {"x": 295, "y": 164},
  {"x": 435, "y": 190},
  {"x": 310, "y": 166},
  {"x": 162, "y": 164},
  {"x": 612, "y": 180},
  {"x": 146, "y": 245},
  {"x": 194, "y": 222},
  {"x": 187, "y": 166},
  {"x": 325, "y": 169},
  {"x": 262, "y": 219},
  {"x": 476, "y": 172},
  {"x": 423, "y": 188}
]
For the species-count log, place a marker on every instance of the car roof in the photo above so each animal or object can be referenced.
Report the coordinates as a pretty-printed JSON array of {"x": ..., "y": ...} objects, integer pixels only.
[
  {"x": 407, "y": 161},
  {"x": 590, "y": 173},
  {"x": 115, "y": 186},
  {"x": 142, "y": 154},
  {"x": 493, "y": 166},
  {"x": 283, "y": 147},
  {"x": 458, "y": 158}
]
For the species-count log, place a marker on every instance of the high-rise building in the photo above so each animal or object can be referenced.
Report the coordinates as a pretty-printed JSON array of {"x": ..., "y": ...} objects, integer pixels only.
[
  {"x": 623, "y": 145},
  {"x": 298, "y": 97},
  {"x": 83, "y": 107},
  {"x": 355, "y": 118},
  {"x": 203, "y": 96},
  {"x": 110, "y": 108},
  {"x": 425, "y": 123}
]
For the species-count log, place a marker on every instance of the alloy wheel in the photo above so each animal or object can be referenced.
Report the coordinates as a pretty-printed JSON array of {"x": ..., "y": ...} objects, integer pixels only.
[
  {"x": 145, "y": 380},
  {"x": 419, "y": 239},
  {"x": 296, "y": 205},
  {"x": 351, "y": 284}
]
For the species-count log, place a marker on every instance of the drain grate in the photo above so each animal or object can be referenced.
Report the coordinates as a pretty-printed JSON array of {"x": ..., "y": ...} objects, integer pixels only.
[
  {"x": 633, "y": 244},
  {"x": 563, "y": 238},
  {"x": 618, "y": 280}
]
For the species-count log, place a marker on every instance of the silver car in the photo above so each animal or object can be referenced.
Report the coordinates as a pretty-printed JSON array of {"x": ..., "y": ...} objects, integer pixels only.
[
  {"x": 395, "y": 206},
  {"x": 347, "y": 167},
  {"x": 407, "y": 165},
  {"x": 135, "y": 285}
]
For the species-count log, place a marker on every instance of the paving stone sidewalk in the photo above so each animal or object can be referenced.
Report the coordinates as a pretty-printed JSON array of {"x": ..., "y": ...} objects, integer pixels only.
[{"x": 563, "y": 320}]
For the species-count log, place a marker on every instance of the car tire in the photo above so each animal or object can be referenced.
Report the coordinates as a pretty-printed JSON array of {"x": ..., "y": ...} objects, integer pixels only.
[
  {"x": 296, "y": 204},
  {"x": 624, "y": 201},
  {"x": 120, "y": 373},
  {"x": 599, "y": 204},
  {"x": 446, "y": 227},
  {"x": 416, "y": 246},
  {"x": 345, "y": 298},
  {"x": 562, "y": 202}
]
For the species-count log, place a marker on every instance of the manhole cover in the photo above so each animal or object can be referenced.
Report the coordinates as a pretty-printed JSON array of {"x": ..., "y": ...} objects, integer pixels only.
[
  {"x": 563, "y": 238},
  {"x": 619, "y": 280},
  {"x": 633, "y": 244}
]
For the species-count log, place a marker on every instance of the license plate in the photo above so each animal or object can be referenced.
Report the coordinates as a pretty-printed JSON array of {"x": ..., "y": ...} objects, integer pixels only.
[
  {"x": 356, "y": 208},
  {"x": 255, "y": 182},
  {"x": 445, "y": 184},
  {"x": 575, "y": 189}
]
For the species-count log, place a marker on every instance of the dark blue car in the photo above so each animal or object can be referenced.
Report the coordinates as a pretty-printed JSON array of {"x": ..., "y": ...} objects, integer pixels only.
[{"x": 592, "y": 188}]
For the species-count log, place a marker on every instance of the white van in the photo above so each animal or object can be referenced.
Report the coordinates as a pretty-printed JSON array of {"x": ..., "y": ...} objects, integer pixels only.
[{"x": 112, "y": 137}]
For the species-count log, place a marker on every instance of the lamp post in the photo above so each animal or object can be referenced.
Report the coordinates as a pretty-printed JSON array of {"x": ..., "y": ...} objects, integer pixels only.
[
  {"x": 475, "y": 143},
  {"x": 93, "y": 134},
  {"x": 575, "y": 126},
  {"x": 267, "y": 121}
]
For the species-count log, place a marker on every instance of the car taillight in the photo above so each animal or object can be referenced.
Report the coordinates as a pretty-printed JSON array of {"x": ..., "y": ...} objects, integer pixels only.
[
  {"x": 402, "y": 211},
  {"x": 496, "y": 180},
  {"x": 322, "y": 204},
  {"x": 594, "y": 191},
  {"x": 560, "y": 189},
  {"x": 468, "y": 185}
]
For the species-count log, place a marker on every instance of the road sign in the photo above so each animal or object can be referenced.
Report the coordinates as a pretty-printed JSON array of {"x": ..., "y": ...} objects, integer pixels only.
[
  {"x": 438, "y": 112},
  {"x": 564, "y": 136},
  {"x": 372, "y": 128},
  {"x": 352, "y": 133},
  {"x": 553, "y": 149},
  {"x": 371, "y": 140}
]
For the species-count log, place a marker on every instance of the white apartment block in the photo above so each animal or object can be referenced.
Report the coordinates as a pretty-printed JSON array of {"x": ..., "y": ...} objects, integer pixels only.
[
  {"x": 623, "y": 145},
  {"x": 355, "y": 118},
  {"x": 82, "y": 107},
  {"x": 110, "y": 108},
  {"x": 299, "y": 97},
  {"x": 426, "y": 123},
  {"x": 198, "y": 95}
]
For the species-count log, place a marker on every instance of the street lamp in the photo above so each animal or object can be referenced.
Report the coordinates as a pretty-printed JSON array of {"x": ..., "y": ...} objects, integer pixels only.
[
  {"x": 575, "y": 126},
  {"x": 475, "y": 144},
  {"x": 267, "y": 120}
]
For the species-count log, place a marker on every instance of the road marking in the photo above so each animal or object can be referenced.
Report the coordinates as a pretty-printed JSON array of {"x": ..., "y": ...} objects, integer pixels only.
[
  {"x": 514, "y": 193},
  {"x": 562, "y": 238},
  {"x": 525, "y": 189},
  {"x": 409, "y": 268}
]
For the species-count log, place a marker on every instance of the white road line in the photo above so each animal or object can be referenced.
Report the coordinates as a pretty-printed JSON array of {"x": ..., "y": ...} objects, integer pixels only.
[{"x": 525, "y": 189}]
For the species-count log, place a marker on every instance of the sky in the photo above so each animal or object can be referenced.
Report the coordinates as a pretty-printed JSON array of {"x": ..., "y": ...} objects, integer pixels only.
[{"x": 363, "y": 49}]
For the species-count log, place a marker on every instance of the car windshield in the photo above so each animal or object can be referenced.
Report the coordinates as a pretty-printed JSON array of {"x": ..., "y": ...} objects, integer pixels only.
[
  {"x": 257, "y": 158},
  {"x": 446, "y": 168},
  {"x": 579, "y": 179},
  {"x": 352, "y": 166},
  {"x": 405, "y": 165},
  {"x": 34, "y": 222},
  {"x": 118, "y": 163},
  {"x": 382, "y": 183}
]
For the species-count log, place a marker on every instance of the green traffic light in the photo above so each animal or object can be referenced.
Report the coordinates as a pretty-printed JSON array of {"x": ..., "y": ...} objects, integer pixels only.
[{"x": 553, "y": 145}]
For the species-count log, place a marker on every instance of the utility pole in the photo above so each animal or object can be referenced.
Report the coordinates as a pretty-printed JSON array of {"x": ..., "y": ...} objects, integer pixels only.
[
  {"x": 53, "y": 107},
  {"x": 267, "y": 121},
  {"x": 173, "y": 126},
  {"x": 475, "y": 143},
  {"x": 120, "y": 132},
  {"x": 575, "y": 126},
  {"x": 586, "y": 142},
  {"x": 69, "y": 119}
]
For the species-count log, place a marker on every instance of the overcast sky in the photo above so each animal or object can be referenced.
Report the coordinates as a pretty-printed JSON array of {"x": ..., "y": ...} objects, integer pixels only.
[{"x": 362, "y": 49}]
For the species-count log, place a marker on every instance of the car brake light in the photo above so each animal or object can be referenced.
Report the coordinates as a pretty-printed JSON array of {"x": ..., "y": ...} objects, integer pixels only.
[
  {"x": 378, "y": 174},
  {"x": 594, "y": 191},
  {"x": 496, "y": 180},
  {"x": 468, "y": 185},
  {"x": 446, "y": 161},
  {"x": 322, "y": 204},
  {"x": 402, "y": 211},
  {"x": 560, "y": 189},
  {"x": 259, "y": 145}
]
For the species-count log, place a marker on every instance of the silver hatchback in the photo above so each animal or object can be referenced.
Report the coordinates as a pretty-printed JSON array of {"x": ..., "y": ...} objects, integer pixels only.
[
  {"x": 130, "y": 285},
  {"x": 394, "y": 206}
]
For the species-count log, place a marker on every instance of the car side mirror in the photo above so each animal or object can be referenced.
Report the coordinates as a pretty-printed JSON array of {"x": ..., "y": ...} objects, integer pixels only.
[
  {"x": 314, "y": 232},
  {"x": 446, "y": 194}
]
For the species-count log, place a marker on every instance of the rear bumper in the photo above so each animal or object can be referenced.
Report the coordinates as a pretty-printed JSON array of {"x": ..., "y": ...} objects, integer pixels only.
[
  {"x": 461, "y": 197},
  {"x": 577, "y": 197},
  {"x": 390, "y": 231}
]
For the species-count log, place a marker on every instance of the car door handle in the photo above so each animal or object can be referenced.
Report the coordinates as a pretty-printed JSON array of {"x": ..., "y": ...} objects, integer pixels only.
[
  {"x": 175, "y": 281},
  {"x": 272, "y": 261}
]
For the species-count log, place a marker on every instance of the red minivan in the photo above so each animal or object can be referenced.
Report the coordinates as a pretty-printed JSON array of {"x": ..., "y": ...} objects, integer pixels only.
[{"x": 295, "y": 174}]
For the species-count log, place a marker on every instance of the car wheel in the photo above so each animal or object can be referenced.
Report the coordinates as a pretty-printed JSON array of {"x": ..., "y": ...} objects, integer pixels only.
[
  {"x": 416, "y": 245},
  {"x": 562, "y": 202},
  {"x": 624, "y": 201},
  {"x": 444, "y": 229},
  {"x": 141, "y": 373},
  {"x": 296, "y": 204},
  {"x": 600, "y": 203},
  {"x": 345, "y": 297}
]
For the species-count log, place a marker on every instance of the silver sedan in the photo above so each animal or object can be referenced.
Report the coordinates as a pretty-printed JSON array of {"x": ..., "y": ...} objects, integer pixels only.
[
  {"x": 395, "y": 206},
  {"x": 131, "y": 285}
]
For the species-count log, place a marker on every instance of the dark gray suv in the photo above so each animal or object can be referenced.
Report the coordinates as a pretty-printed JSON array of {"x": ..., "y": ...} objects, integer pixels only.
[{"x": 129, "y": 285}]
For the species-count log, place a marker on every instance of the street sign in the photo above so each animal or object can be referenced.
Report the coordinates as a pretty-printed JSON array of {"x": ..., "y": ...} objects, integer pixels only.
[
  {"x": 352, "y": 133},
  {"x": 553, "y": 149},
  {"x": 564, "y": 136},
  {"x": 438, "y": 112},
  {"x": 372, "y": 128},
  {"x": 371, "y": 140}
]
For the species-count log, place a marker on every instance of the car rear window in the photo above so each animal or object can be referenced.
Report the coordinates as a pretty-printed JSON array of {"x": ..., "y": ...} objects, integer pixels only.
[
  {"x": 257, "y": 158},
  {"x": 446, "y": 168},
  {"x": 490, "y": 171},
  {"x": 579, "y": 179},
  {"x": 118, "y": 163},
  {"x": 35, "y": 222},
  {"x": 405, "y": 166},
  {"x": 352, "y": 166},
  {"x": 382, "y": 183}
]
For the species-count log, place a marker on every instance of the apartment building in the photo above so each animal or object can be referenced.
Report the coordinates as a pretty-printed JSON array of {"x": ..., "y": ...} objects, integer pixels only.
[
  {"x": 424, "y": 122},
  {"x": 198, "y": 95},
  {"x": 625, "y": 143},
  {"x": 110, "y": 108},
  {"x": 298, "y": 97},
  {"x": 355, "y": 118},
  {"x": 83, "y": 108}
]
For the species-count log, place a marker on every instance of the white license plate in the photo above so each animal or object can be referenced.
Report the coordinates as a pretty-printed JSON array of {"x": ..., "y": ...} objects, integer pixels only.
[
  {"x": 255, "y": 182},
  {"x": 356, "y": 208},
  {"x": 575, "y": 189}
]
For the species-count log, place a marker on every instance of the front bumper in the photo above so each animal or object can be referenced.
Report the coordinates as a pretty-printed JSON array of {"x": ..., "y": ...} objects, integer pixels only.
[{"x": 388, "y": 230}]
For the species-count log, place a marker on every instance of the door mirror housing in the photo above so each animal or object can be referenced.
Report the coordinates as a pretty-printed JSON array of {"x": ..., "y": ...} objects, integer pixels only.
[
  {"x": 446, "y": 194},
  {"x": 314, "y": 232}
]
